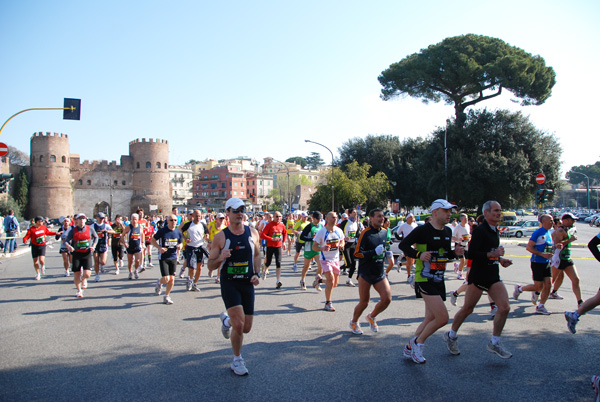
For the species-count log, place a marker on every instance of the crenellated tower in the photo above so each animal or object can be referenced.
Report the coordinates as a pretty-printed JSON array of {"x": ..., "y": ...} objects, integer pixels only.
[
  {"x": 151, "y": 185},
  {"x": 50, "y": 192}
]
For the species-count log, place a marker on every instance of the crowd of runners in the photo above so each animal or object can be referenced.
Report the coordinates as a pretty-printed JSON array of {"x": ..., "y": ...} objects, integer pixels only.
[{"x": 239, "y": 252}]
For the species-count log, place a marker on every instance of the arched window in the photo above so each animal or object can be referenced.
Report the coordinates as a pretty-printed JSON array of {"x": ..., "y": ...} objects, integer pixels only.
[
  {"x": 89, "y": 182},
  {"x": 52, "y": 158},
  {"x": 165, "y": 165},
  {"x": 137, "y": 165},
  {"x": 41, "y": 158},
  {"x": 148, "y": 165},
  {"x": 80, "y": 182},
  {"x": 158, "y": 165},
  {"x": 115, "y": 182},
  {"x": 64, "y": 159}
]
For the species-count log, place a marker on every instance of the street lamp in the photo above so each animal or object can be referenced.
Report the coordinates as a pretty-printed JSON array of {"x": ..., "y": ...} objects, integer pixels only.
[
  {"x": 332, "y": 190},
  {"x": 71, "y": 111},
  {"x": 288, "y": 186},
  {"x": 588, "y": 185}
]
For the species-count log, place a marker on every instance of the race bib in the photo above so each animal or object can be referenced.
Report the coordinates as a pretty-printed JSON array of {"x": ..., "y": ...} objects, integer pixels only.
[
  {"x": 237, "y": 268},
  {"x": 276, "y": 236},
  {"x": 40, "y": 240},
  {"x": 83, "y": 244},
  {"x": 333, "y": 244}
]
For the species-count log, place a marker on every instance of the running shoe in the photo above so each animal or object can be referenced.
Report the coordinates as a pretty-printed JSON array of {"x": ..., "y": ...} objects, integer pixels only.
[
  {"x": 572, "y": 321},
  {"x": 66, "y": 272},
  {"x": 97, "y": 277},
  {"x": 534, "y": 298},
  {"x": 555, "y": 296},
  {"x": 517, "y": 292},
  {"x": 79, "y": 293},
  {"x": 131, "y": 275},
  {"x": 158, "y": 287},
  {"x": 596, "y": 386},
  {"x": 279, "y": 285},
  {"x": 120, "y": 263},
  {"x": 416, "y": 352},
  {"x": 302, "y": 285},
  {"x": 460, "y": 277},
  {"x": 102, "y": 269},
  {"x": 136, "y": 274},
  {"x": 225, "y": 330},
  {"x": 316, "y": 281},
  {"x": 294, "y": 268},
  {"x": 188, "y": 285},
  {"x": 350, "y": 283},
  {"x": 142, "y": 269},
  {"x": 499, "y": 349},
  {"x": 239, "y": 367},
  {"x": 84, "y": 284},
  {"x": 407, "y": 352},
  {"x": 452, "y": 344},
  {"x": 493, "y": 311},
  {"x": 329, "y": 307},
  {"x": 372, "y": 323},
  {"x": 117, "y": 271},
  {"x": 195, "y": 288},
  {"x": 355, "y": 328},
  {"x": 456, "y": 265},
  {"x": 453, "y": 297},
  {"x": 541, "y": 309},
  {"x": 43, "y": 270},
  {"x": 264, "y": 274},
  {"x": 150, "y": 264},
  {"x": 183, "y": 271},
  {"x": 217, "y": 280},
  {"x": 411, "y": 281},
  {"x": 167, "y": 300},
  {"x": 38, "y": 277}
]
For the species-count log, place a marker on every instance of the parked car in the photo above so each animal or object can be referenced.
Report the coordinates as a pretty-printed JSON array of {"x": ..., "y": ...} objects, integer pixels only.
[{"x": 521, "y": 229}]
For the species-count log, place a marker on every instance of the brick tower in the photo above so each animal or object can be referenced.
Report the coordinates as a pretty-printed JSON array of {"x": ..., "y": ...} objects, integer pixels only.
[
  {"x": 151, "y": 185},
  {"x": 50, "y": 192}
]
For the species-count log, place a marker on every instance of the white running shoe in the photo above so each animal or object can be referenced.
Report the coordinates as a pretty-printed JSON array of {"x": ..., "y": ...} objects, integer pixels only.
[
  {"x": 534, "y": 298},
  {"x": 84, "y": 284},
  {"x": 225, "y": 330},
  {"x": 453, "y": 297},
  {"x": 416, "y": 352},
  {"x": 117, "y": 271},
  {"x": 97, "y": 277},
  {"x": 355, "y": 328},
  {"x": 411, "y": 281},
  {"x": 541, "y": 310},
  {"x": 150, "y": 264},
  {"x": 67, "y": 272},
  {"x": 555, "y": 296},
  {"x": 517, "y": 292},
  {"x": 499, "y": 349},
  {"x": 350, "y": 283},
  {"x": 43, "y": 270},
  {"x": 167, "y": 300},
  {"x": 79, "y": 293},
  {"x": 131, "y": 275},
  {"x": 239, "y": 367},
  {"x": 372, "y": 323},
  {"x": 451, "y": 343},
  {"x": 136, "y": 274},
  {"x": 38, "y": 277},
  {"x": 158, "y": 287}
]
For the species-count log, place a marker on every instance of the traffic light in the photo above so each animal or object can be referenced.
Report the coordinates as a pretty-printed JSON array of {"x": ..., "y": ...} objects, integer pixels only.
[
  {"x": 4, "y": 179},
  {"x": 538, "y": 195},
  {"x": 547, "y": 195},
  {"x": 72, "y": 109}
]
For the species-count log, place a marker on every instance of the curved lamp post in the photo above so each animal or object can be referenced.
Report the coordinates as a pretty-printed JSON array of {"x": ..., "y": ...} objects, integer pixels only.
[{"x": 332, "y": 190}]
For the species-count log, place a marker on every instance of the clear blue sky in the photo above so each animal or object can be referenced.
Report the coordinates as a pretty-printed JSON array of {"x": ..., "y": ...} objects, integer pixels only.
[{"x": 256, "y": 78}]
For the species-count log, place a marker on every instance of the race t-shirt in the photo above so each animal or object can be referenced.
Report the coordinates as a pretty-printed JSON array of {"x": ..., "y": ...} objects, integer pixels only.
[
  {"x": 543, "y": 243},
  {"x": 332, "y": 239}
]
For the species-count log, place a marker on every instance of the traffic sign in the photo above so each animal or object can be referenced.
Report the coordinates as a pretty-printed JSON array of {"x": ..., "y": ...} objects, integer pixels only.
[
  {"x": 3, "y": 149},
  {"x": 540, "y": 178}
]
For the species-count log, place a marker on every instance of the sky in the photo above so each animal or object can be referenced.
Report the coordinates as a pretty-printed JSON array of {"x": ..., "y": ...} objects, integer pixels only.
[{"x": 256, "y": 78}]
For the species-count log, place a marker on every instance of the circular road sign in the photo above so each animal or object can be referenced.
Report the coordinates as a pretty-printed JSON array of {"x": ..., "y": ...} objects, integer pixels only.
[
  {"x": 540, "y": 178},
  {"x": 3, "y": 149}
]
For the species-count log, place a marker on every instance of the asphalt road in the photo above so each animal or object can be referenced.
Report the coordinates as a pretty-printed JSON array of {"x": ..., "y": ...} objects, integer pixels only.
[{"x": 121, "y": 343}]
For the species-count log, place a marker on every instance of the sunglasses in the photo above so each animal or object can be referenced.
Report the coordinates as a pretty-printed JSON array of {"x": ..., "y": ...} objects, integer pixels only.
[{"x": 239, "y": 210}]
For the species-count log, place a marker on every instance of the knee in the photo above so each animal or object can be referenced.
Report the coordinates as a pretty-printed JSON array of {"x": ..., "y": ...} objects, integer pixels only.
[{"x": 503, "y": 309}]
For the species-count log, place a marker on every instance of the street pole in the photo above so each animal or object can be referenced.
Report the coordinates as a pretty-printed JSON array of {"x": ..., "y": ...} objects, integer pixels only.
[
  {"x": 70, "y": 108},
  {"x": 332, "y": 189},
  {"x": 588, "y": 186}
]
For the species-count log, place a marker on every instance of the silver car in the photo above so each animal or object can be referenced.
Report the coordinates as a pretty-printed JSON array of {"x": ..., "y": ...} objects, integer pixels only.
[{"x": 522, "y": 229}]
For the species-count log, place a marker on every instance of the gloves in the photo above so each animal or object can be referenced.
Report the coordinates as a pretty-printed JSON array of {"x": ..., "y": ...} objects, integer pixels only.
[{"x": 379, "y": 249}]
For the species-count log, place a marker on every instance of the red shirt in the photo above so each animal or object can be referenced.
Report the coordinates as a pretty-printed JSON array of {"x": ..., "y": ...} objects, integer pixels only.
[
  {"x": 38, "y": 235},
  {"x": 274, "y": 233}
]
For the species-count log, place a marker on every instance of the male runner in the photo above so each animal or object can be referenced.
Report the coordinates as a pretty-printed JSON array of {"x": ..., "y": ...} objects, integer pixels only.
[
  {"x": 196, "y": 234},
  {"x": 405, "y": 230},
  {"x": 115, "y": 243},
  {"x": 275, "y": 234},
  {"x": 168, "y": 241},
  {"x": 351, "y": 229},
  {"x": 235, "y": 251},
  {"x": 432, "y": 250},
  {"x": 37, "y": 233},
  {"x": 329, "y": 241},
  {"x": 486, "y": 253},
  {"x": 298, "y": 228},
  {"x": 80, "y": 242},
  {"x": 460, "y": 235},
  {"x": 308, "y": 233},
  {"x": 133, "y": 240},
  {"x": 562, "y": 237},
  {"x": 103, "y": 229}
]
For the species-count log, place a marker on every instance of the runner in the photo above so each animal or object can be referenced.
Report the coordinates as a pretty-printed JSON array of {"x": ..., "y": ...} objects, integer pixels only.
[
  {"x": 461, "y": 235},
  {"x": 289, "y": 226},
  {"x": 115, "y": 243},
  {"x": 80, "y": 242},
  {"x": 540, "y": 247},
  {"x": 329, "y": 241},
  {"x": 405, "y": 230},
  {"x": 102, "y": 229},
  {"x": 389, "y": 256},
  {"x": 149, "y": 231},
  {"x": 276, "y": 235},
  {"x": 298, "y": 228},
  {"x": 562, "y": 237},
  {"x": 168, "y": 241},
  {"x": 308, "y": 233},
  {"x": 370, "y": 251},
  {"x": 236, "y": 253},
  {"x": 12, "y": 231},
  {"x": 486, "y": 252},
  {"x": 37, "y": 233},
  {"x": 196, "y": 234},
  {"x": 133, "y": 240},
  {"x": 432, "y": 249},
  {"x": 62, "y": 235},
  {"x": 351, "y": 230},
  {"x": 213, "y": 228}
]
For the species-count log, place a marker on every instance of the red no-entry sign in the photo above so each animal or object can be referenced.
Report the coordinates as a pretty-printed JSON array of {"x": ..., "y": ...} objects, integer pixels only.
[
  {"x": 540, "y": 178},
  {"x": 3, "y": 149}
]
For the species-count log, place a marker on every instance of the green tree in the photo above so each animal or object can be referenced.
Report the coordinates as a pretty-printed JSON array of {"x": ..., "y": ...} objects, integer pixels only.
[
  {"x": 298, "y": 160},
  {"x": 17, "y": 157},
  {"x": 592, "y": 171},
  {"x": 9, "y": 203},
  {"x": 468, "y": 69},
  {"x": 496, "y": 155},
  {"x": 21, "y": 189},
  {"x": 314, "y": 160},
  {"x": 353, "y": 186}
]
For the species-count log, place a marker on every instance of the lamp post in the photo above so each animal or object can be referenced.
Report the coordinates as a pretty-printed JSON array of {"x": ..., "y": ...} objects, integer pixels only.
[
  {"x": 332, "y": 190},
  {"x": 71, "y": 111},
  {"x": 588, "y": 185},
  {"x": 287, "y": 169}
]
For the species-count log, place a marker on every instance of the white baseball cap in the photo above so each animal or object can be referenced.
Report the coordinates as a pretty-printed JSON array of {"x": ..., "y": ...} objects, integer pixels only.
[
  {"x": 441, "y": 203},
  {"x": 234, "y": 203}
]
